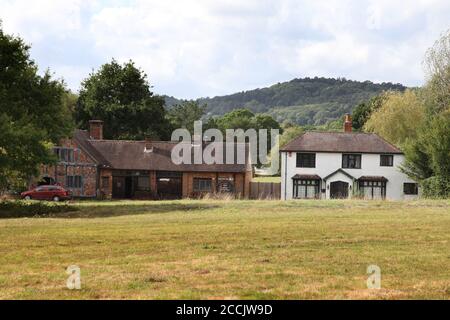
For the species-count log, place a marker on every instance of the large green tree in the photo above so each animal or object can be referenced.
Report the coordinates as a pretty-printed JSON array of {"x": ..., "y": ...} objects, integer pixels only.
[
  {"x": 399, "y": 116},
  {"x": 184, "y": 115},
  {"x": 120, "y": 95},
  {"x": 428, "y": 155},
  {"x": 33, "y": 113}
]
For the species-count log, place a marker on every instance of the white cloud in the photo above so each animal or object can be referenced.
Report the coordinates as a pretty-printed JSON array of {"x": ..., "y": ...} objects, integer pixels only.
[{"x": 199, "y": 48}]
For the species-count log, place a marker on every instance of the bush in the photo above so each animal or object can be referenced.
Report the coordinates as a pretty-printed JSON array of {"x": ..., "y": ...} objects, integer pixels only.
[
  {"x": 436, "y": 187},
  {"x": 21, "y": 209}
]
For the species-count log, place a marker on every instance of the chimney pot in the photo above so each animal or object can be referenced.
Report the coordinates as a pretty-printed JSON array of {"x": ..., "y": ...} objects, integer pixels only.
[
  {"x": 148, "y": 145},
  {"x": 96, "y": 129},
  {"x": 348, "y": 123}
]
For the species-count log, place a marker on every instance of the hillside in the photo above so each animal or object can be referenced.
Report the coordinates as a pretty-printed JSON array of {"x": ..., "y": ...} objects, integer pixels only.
[{"x": 313, "y": 101}]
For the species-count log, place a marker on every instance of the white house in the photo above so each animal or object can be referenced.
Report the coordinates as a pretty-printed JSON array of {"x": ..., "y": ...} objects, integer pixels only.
[{"x": 336, "y": 165}]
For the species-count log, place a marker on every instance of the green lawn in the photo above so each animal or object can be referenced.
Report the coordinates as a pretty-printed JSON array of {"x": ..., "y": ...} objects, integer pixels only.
[{"x": 234, "y": 249}]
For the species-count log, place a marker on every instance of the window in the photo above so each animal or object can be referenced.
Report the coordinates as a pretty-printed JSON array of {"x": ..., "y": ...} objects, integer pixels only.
[
  {"x": 74, "y": 182},
  {"x": 65, "y": 154},
  {"x": 386, "y": 160},
  {"x": 351, "y": 161},
  {"x": 306, "y": 189},
  {"x": 411, "y": 188},
  {"x": 225, "y": 185},
  {"x": 373, "y": 190},
  {"x": 306, "y": 160},
  {"x": 202, "y": 185},
  {"x": 143, "y": 183}
]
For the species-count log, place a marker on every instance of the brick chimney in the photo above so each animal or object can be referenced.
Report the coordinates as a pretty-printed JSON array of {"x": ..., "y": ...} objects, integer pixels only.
[
  {"x": 348, "y": 123},
  {"x": 96, "y": 129},
  {"x": 149, "y": 145}
]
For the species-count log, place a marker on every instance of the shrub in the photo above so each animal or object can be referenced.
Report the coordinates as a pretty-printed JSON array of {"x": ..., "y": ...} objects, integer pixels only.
[
  {"x": 21, "y": 209},
  {"x": 436, "y": 187}
]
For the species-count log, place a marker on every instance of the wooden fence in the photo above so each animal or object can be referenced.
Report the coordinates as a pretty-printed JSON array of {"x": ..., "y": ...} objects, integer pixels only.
[{"x": 265, "y": 190}]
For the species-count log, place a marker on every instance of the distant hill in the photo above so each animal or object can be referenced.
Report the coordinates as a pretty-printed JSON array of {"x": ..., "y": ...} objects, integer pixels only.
[{"x": 307, "y": 101}]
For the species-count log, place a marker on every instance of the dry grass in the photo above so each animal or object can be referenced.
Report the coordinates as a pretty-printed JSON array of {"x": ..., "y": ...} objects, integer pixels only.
[{"x": 230, "y": 249}]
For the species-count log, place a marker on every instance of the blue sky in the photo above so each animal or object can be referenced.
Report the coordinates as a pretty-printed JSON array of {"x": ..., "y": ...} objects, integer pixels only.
[{"x": 203, "y": 48}]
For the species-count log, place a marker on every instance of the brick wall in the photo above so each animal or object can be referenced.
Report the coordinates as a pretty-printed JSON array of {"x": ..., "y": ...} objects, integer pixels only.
[
  {"x": 82, "y": 165},
  {"x": 241, "y": 187}
]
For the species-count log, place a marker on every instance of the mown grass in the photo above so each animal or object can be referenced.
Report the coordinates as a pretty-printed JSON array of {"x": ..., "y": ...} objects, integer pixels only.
[{"x": 230, "y": 249}]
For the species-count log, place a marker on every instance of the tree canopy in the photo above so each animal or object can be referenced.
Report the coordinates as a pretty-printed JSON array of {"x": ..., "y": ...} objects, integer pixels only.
[
  {"x": 420, "y": 122},
  {"x": 33, "y": 112},
  {"x": 183, "y": 115},
  {"x": 364, "y": 110},
  {"x": 120, "y": 95},
  {"x": 245, "y": 119},
  {"x": 398, "y": 117}
]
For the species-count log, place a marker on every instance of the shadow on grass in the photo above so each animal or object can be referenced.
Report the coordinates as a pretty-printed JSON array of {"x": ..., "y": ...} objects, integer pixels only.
[
  {"x": 118, "y": 210},
  {"x": 42, "y": 209}
]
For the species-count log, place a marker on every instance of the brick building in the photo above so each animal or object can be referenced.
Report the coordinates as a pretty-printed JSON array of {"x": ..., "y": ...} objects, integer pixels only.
[{"x": 92, "y": 167}]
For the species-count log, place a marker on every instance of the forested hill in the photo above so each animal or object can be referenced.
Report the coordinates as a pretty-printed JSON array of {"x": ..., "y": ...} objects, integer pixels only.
[{"x": 312, "y": 101}]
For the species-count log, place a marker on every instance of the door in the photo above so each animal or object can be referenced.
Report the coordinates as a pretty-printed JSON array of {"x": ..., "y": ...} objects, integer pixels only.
[
  {"x": 339, "y": 190},
  {"x": 118, "y": 187},
  {"x": 129, "y": 187}
]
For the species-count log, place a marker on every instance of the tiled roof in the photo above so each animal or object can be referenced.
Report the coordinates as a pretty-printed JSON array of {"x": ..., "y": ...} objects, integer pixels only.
[
  {"x": 131, "y": 155},
  {"x": 342, "y": 142}
]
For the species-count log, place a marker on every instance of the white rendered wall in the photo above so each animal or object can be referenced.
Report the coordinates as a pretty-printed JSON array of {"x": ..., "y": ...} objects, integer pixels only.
[{"x": 327, "y": 163}]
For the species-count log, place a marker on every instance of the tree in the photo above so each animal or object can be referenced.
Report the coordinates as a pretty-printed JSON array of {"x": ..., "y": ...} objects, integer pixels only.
[
  {"x": 437, "y": 64},
  {"x": 185, "y": 114},
  {"x": 398, "y": 118},
  {"x": 237, "y": 119},
  {"x": 120, "y": 96},
  {"x": 290, "y": 134},
  {"x": 428, "y": 157},
  {"x": 364, "y": 110},
  {"x": 245, "y": 119},
  {"x": 33, "y": 113}
]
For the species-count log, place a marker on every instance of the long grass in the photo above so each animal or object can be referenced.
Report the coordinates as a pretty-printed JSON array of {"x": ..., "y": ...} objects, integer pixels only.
[{"x": 211, "y": 249}]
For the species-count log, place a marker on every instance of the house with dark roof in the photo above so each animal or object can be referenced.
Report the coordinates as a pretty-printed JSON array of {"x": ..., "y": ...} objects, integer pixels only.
[
  {"x": 336, "y": 165},
  {"x": 92, "y": 167}
]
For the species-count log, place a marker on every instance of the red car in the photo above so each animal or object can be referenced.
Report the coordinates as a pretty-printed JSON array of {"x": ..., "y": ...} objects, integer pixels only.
[{"x": 50, "y": 193}]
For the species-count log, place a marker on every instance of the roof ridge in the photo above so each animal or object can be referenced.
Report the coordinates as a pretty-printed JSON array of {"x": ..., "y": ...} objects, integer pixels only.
[{"x": 340, "y": 132}]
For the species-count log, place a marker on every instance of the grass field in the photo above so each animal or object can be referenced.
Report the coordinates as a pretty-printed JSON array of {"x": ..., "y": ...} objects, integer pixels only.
[
  {"x": 267, "y": 179},
  {"x": 234, "y": 249}
]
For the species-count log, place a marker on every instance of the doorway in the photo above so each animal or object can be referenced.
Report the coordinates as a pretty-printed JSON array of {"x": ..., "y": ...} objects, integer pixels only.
[{"x": 339, "y": 190}]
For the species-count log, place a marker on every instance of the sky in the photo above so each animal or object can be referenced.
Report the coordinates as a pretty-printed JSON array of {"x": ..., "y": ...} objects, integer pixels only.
[{"x": 192, "y": 49}]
